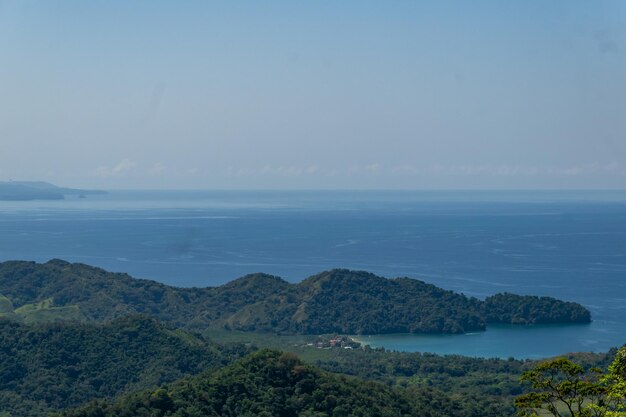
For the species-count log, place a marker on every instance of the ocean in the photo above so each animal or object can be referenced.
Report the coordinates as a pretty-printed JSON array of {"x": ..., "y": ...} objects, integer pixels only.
[{"x": 565, "y": 244}]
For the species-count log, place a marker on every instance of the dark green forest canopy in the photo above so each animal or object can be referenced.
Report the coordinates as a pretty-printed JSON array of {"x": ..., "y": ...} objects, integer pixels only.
[
  {"x": 482, "y": 386},
  {"x": 53, "y": 366},
  {"x": 336, "y": 301},
  {"x": 515, "y": 309},
  {"x": 271, "y": 383},
  {"x": 47, "y": 367}
]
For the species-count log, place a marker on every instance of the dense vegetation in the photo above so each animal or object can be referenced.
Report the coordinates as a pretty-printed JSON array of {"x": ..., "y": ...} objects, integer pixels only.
[
  {"x": 515, "y": 309},
  {"x": 337, "y": 301},
  {"x": 269, "y": 383},
  {"x": 563, "y": 388},
  {"x": 52, "y": 366},
  {"x": 480, "y": 386}
]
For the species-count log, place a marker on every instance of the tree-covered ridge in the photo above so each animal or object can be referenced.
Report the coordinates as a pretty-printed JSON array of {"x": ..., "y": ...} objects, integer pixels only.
[
  {"x": 271, "y": 383},
  {"x": 337, "y": 301},
  {"x": 516, "y": 309},
  {"x": 268, "y": 383},
  {"x": 53, "y": 366},
  {"x": 343, "y": 301}
]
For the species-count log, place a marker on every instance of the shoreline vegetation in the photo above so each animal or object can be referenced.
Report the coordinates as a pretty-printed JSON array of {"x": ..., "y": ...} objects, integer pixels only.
[{"x": 338, "y": 301}]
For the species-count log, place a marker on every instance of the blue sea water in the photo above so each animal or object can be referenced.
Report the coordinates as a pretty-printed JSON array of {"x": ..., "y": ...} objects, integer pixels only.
[{"x": 567, "y": 244}]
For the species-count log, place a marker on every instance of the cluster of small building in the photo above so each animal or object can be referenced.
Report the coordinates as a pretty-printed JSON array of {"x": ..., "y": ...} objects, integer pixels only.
[{"x": 329, "y": 342}]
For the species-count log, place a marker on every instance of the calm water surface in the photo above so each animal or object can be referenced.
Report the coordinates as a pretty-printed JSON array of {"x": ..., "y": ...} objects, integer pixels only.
[{"x": 571, "y": 245}]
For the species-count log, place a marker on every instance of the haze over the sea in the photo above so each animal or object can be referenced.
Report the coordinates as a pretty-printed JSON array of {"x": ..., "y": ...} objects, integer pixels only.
[{"x": 353, "y": 94}]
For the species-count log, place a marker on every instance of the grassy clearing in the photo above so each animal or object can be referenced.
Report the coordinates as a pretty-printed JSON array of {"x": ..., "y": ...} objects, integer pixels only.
[{"x": 40, "y": 312}]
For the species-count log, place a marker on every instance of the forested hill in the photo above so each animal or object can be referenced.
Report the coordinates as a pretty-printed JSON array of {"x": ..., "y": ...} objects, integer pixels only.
[
  {"x": 269, "y": 383},
  {"x": 51, "y": 366},
  {"x": 337, "y": 301},
  {"x": 47, "y": 367}
]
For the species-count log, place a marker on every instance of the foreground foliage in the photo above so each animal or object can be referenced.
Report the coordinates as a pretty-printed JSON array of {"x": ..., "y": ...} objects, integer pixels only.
[
  {"x": 268, "y": 383},
  {"x": 481, "y": 386},
  {"x": 563, "y": 388},
  {"x": 49, "y": 367},
  {"x": 54, "y": 366}
]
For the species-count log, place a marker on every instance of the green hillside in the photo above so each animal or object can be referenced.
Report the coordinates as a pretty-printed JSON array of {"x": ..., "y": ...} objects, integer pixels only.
[
  {"x": 49, "y": 367},
  {"x": 337, "y": 301},
  {"x": 273, "y": 383},
  {"x": 269, "y": 383}
]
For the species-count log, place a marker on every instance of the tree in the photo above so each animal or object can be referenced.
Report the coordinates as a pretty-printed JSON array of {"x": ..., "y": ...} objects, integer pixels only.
[
  {"x": 615, "y": 382},
  {"x": 563, "y": 388}
]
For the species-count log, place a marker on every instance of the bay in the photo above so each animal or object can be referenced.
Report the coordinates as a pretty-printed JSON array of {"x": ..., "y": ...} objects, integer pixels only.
[{"x": 566, "y": 244}]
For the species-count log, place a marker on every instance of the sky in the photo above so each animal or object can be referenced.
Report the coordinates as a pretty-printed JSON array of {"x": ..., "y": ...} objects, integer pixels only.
[{"x": 522, "y": 94}]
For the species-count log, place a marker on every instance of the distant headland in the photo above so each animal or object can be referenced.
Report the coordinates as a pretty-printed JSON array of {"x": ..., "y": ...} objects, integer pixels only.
[{"x": 39, "y": 190}]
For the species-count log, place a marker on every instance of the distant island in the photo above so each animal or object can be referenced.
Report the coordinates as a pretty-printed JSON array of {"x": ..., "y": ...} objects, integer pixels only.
[
  {"x": 337, "y": 301},
  {"x": 39, "y": 190}
]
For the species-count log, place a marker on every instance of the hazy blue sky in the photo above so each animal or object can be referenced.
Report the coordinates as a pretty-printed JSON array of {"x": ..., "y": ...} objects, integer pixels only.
[{"x": 336, "y": 94}]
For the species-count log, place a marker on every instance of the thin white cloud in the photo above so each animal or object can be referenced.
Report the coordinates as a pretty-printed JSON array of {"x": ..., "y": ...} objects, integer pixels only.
[
  {"x": 405, "y": 169},
  {"x": 193, "y": 171},
  {"x": 505, "y": 170},
  {"x": 312, "y": 169},
  {"x": 373, "y": 168},
  {"x": 121, "y": 168},
  {"x": 157, "y": 169},
  {"x": 280, "y": 171}
]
